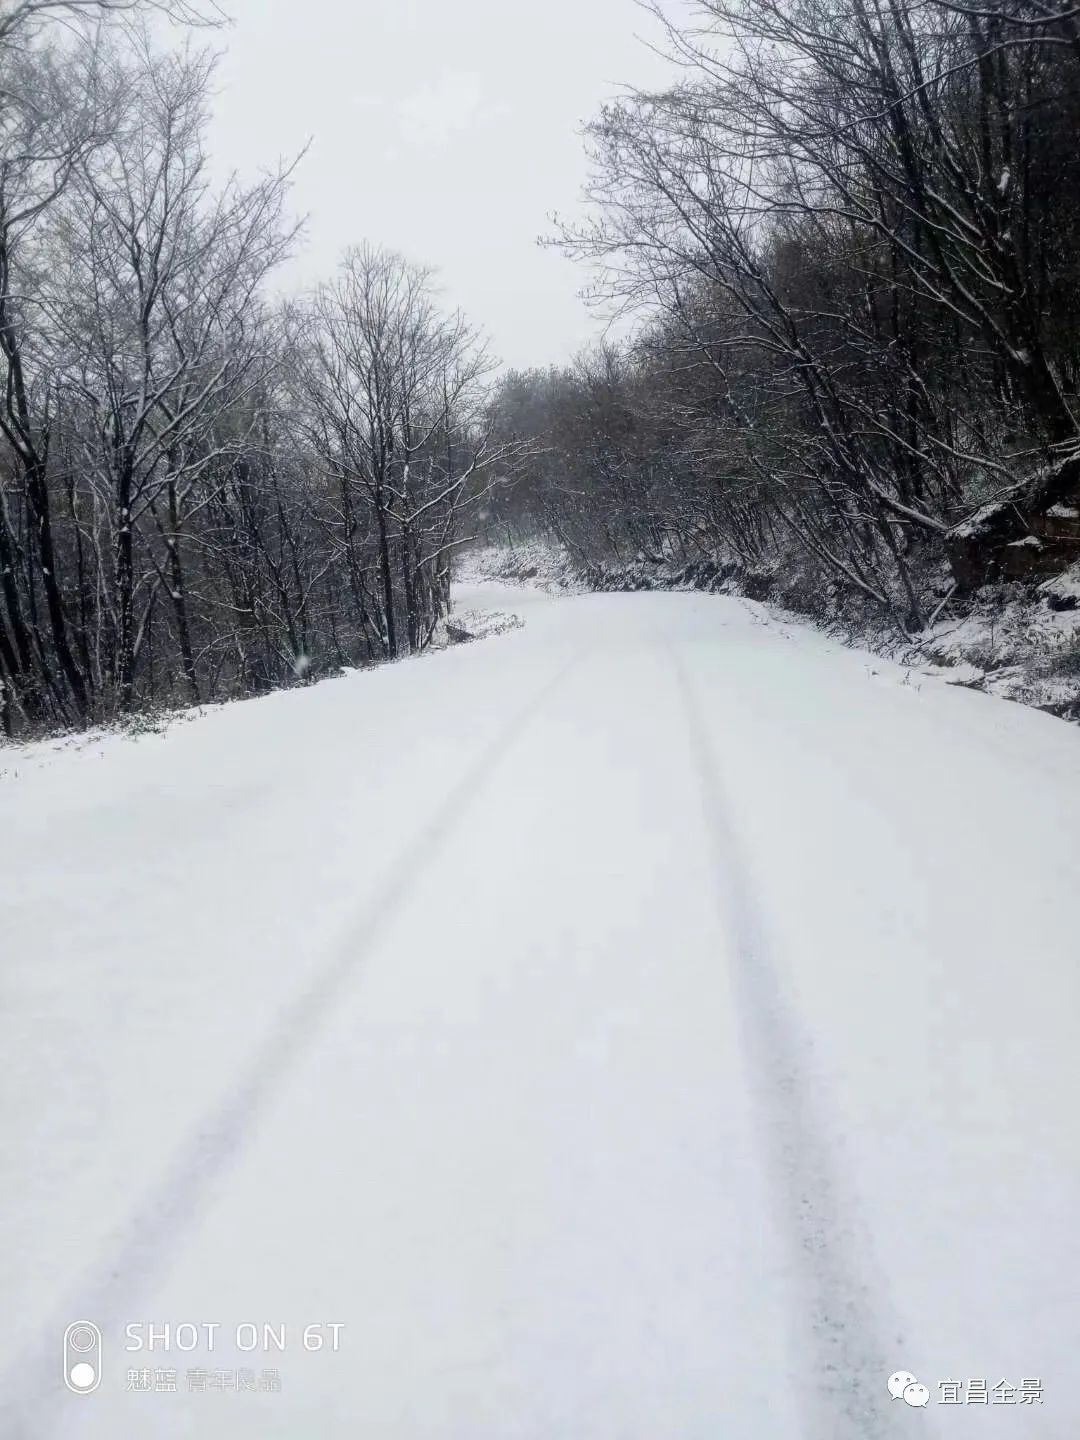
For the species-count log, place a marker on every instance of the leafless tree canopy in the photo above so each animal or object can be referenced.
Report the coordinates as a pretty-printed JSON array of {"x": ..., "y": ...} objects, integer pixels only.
[
  {"x": 201, "y": 493},
  {"x": 854, "y": 229}
]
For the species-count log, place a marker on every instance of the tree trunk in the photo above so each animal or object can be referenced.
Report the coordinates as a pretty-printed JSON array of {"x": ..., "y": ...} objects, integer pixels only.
[{"x": 387, "y": 572}]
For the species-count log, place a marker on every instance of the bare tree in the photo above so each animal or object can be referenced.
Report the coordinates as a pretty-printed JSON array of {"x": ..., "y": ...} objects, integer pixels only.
[
  {"x": 398, "y": 413},
  {"x": 56, "y": 105},
  {"x": 155, "y": 308},
  {"x": 20, "y": 19}
]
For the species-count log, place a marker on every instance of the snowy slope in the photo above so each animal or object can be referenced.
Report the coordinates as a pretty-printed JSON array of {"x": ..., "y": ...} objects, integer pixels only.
[{"x": 655, "y": 1022}]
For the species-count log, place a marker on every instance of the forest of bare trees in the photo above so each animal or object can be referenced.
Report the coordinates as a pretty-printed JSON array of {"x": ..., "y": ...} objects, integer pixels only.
[
  {"x": 851, "y": 234},
  {"x": 204, "y": 492},
  {"x": 848, "y": 235}
]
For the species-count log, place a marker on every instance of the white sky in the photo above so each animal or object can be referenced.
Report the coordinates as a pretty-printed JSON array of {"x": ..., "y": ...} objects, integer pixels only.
[{"x": 447, "y": 129}]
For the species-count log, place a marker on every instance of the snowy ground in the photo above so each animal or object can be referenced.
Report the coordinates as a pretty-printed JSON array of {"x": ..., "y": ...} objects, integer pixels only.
[{"x": 654, "y": 1022}]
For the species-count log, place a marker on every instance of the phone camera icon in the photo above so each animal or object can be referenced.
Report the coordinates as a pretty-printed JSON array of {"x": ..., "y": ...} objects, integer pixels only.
[{"x": 82, "y": 1357}]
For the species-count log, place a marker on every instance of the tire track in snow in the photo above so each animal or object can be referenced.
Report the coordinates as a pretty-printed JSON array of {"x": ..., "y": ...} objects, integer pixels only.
[
  {"x": 847, "y": 1348},
  {"x": 150, "y": 1239}
]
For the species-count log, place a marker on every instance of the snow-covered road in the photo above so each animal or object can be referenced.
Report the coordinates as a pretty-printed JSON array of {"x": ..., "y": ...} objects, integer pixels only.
[{"x": 656, "y": 1022}]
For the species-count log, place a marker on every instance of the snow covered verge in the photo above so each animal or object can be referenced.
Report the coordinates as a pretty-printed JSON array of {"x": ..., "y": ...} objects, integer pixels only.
[
  {"x": 462, "y": 625},
  {"x": 539, "y": 564},
  {"x": 1020, "y": 642},
  {"x": 472, "y": 624}
]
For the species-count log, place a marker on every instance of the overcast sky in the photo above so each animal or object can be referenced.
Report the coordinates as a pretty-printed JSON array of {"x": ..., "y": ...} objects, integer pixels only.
[{"x": 447, "y": 129}]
